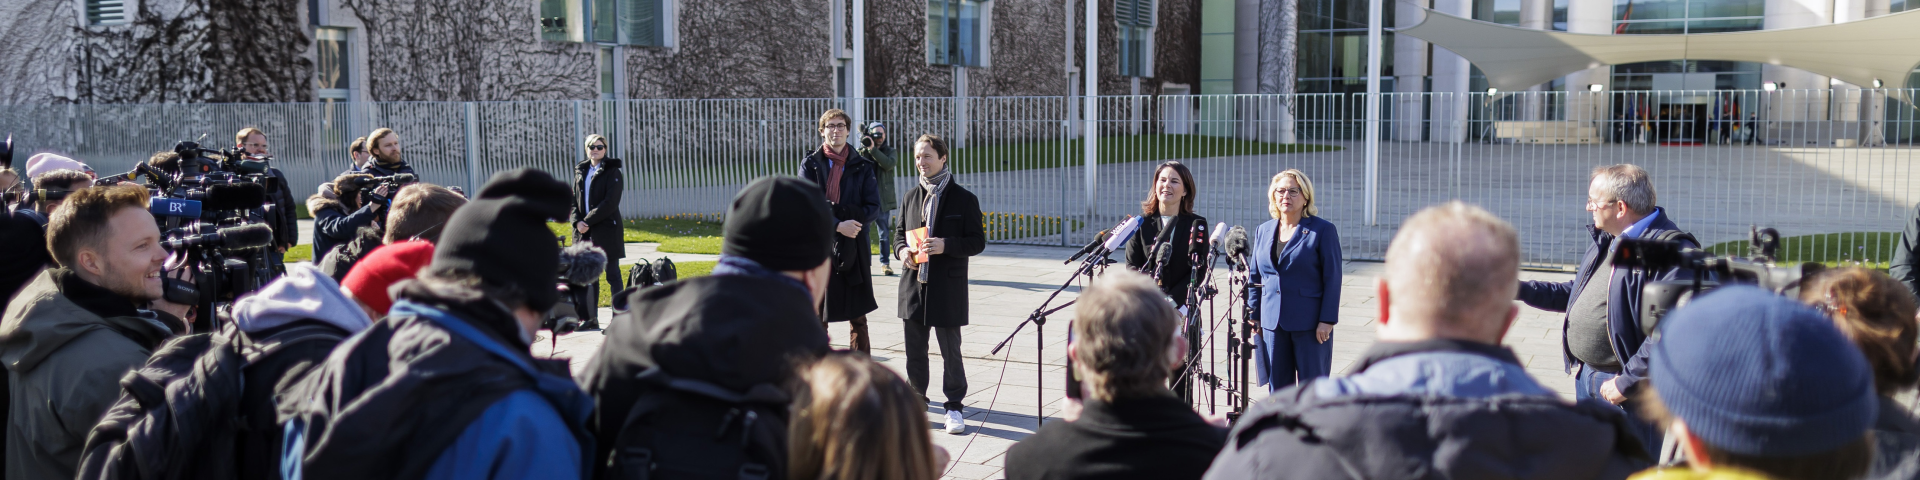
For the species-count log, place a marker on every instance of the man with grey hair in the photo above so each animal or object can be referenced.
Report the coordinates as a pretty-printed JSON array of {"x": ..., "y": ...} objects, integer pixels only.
[
  {"x": 1601, "y": 338},
  {"x": 1132, "y": 426},
  {"x": 1435, "y": 393}
]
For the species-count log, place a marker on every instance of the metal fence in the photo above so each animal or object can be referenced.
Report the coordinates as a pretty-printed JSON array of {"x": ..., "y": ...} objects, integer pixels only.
[{"x": 1808, "y": 162}]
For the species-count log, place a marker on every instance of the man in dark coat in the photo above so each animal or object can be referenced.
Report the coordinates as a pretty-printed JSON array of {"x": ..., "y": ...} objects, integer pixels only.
[
  {"x": 850, "y": 184},
  {"x": 933, "y": 295},
  {"x": 279, "y": 212},
  {"x": 1436, "y": 396},
  {"x": 1905, "y": 266},
  {"x": 740, "y": 330},
  {"x": 1131, "y": 426},
  {"x": 597, "y": 184},
  {"x": 1602, "y": 341}
]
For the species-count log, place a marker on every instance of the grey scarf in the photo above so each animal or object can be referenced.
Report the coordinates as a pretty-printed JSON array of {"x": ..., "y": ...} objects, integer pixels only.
[{"x": 936, "y": 187}]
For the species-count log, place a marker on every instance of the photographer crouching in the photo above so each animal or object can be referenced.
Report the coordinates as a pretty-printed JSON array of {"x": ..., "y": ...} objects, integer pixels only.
[{"x": 343, "y": 207}]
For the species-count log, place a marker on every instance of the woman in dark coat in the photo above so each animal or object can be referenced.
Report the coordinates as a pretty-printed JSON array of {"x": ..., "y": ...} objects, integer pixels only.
[
  {"x": 934, "y": 296},
  {"x": 852, "y": 185},
  {"x": 1297, "y": 255},
  {"x": 1161, "y": 249},
  {"x": 597, "y": 183}
]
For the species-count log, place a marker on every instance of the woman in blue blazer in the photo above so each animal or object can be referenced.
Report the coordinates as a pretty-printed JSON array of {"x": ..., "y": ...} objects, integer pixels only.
[{"x": 1297, "y": 255}]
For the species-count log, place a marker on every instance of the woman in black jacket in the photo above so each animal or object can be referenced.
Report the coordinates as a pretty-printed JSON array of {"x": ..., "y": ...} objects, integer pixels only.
[
  {"x": 596, "y": 212},
  {"x": 851, "y": 183},
  {"x": 1162, "y": 248}
]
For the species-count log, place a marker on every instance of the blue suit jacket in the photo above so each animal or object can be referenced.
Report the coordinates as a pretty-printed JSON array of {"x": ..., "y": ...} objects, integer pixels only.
[{"x": 1302, "y": 287}]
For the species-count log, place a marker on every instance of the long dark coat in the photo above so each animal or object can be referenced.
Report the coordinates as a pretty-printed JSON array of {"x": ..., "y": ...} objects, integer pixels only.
[
  {"x": 850, "y": 288},
  {"x": 942, "y": 301},
  {"x": 601, "y": 211},
  {"x": 1175, "y": 276}
]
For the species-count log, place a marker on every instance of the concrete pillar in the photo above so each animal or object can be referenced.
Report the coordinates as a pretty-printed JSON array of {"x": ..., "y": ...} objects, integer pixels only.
[
  {"x": 1810, "y": 102},
  {"x": 1593, "y": 17},
  {"x": 1536, "y": 15},
  {"x": 1409, "y": 80},
  {"x": 1450, "y": 82}
]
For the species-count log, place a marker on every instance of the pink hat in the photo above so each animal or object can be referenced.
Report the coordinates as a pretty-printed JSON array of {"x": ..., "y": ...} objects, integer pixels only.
[{"x": 47, "y": 162}]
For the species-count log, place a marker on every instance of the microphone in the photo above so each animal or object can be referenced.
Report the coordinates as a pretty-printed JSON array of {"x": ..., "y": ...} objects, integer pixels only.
[
  {"x": 582, "y": 263},
  {"x": 1098, "y": 240},
  {"x": 230, "y": 238},
  {"x": 1219, "y": 231},
  {"x": 1234, "y": 244},
  {"x": 235, "y": 196},
  {"x": 1122, "y": 233}
]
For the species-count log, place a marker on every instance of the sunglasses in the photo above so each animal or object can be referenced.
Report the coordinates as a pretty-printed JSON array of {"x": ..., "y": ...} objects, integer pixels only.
[{"x": 597, "y": 147}]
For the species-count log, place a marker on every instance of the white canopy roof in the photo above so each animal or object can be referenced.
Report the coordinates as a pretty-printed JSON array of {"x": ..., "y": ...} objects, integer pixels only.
[{"x": 1516, "y": 58}]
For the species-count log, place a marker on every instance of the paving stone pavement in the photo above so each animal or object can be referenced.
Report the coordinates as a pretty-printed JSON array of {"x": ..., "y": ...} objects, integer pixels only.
[{"x": 1008, "y": 283}]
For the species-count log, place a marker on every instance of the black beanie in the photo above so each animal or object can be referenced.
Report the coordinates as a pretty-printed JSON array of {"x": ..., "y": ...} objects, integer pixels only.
[
  {"x": 783, "y": 223},
  {"x": 502, "y": 234}
]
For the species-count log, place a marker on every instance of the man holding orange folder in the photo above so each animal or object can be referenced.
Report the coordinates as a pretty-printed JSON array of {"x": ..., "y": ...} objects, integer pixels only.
[{"x": 940, "y": 226}]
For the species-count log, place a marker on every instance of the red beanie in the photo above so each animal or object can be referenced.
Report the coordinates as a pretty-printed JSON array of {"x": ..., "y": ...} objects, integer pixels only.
[{"x": 383, "y": 267}]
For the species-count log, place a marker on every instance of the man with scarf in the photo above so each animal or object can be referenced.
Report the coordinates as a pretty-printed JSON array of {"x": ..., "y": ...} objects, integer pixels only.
[
  {"x": 851, "y": 184},
  {"x": 385, "y": 146},
  {"x": 740, "y": 330},
  {"x": 933, "y": 289},
  {"x": 445, "y": 387}
]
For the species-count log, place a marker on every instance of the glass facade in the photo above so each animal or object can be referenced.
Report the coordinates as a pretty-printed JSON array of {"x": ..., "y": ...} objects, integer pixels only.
[
  {"x": 1332, "y": 49},
  {"x": 1674, "y": 17},
  {"x": 953, "y": 33}
]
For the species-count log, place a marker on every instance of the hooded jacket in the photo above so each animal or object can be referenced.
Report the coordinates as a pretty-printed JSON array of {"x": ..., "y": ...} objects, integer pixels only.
[
  {"x": 66, "y": 343},
  {"x": 436, "y": 390},
  {"x": 1434, "y": 409},
  {"x": 334, "y": 223},
  {"x": 302, "y": 297}
]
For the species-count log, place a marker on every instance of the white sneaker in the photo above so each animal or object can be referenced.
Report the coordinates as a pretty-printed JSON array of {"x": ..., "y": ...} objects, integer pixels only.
[{"x": 955, "y": 423}]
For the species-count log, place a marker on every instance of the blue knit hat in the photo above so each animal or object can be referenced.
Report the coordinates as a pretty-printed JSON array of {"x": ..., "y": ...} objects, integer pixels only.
[{"x": 1755, "y": 373}]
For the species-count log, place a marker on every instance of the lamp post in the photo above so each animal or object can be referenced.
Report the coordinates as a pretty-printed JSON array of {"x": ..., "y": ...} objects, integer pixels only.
[{"x": 1593, "y": 99}]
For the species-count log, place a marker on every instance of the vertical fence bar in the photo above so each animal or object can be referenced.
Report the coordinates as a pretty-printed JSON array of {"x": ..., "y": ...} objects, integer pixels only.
[{"x": 473, "y": 146}]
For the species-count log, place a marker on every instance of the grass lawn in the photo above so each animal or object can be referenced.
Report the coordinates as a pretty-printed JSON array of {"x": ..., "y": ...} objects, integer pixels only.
[
  {"x": 686, "y": 270},
  {"x": 300, "y": 253},
  {"x": 1871, "y": 249},
  {"x": 701, "y": 235}
]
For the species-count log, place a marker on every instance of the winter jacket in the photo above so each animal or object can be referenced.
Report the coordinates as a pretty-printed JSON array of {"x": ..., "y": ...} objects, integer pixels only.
[
  {"x": 601, "y": 212},
  {"x": 1157, "y": 437},
  {"x": 1432, "y": 409},
  {"x": 66, "y": 343},
  {"x": 1301, "y": 289},
  {"x": 1905, "y": 266},
  {"x": 25, "y": 244},
  {"x": 338, "y": 261},
  {"x": 884, "y": 164},
  {"x": 334, "y": 223},
  {"x": 942, "y": 301},
  {"x": 436, "y": 390},
  {"x": 302, "y": 297},
  {"x": 280, "y": 214},
  {"x": 850, "y": 288},
  {"x": 1623, "y": 300},
  {"x": 375, "y": 168},
  {"x": 733, "y": 331},
  {"x": 1177, "y": 237},
  {"x": 1896, "y": 437}
]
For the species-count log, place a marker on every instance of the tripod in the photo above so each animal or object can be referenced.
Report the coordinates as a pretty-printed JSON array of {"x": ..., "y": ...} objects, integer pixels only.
[{"x": 1092, "y": 266}]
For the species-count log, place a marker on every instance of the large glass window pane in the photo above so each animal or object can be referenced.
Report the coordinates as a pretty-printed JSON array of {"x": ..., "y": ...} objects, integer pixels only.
[
  {"x": 1353, "y": 14},
  {"x": 1651, "y": 28},
  {"x": 607, "y": 58},
  {"x": 603, "y": 21},
  {"x": 1724, "y": 25},
  {"x": 1649, "y": 9},
  {"x": 1504, "y": 12},
  {"x": 641, "y": 23},
  {"x": 967, "y": 25},
  {"x": 331, "y": 73},
  {"x": 1316, "y": 14},
  {"x": 1560, "y": 15},
  {"x": 1314, "y": 55},
  {"x": 1347, "y": 52},
  {"x": 1663, "y": 66},
  {"x": 937, "y": 47},
  {"x": 1725, "y": 8}
]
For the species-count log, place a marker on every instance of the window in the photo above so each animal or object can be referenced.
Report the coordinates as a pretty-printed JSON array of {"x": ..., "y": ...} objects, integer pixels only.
[
  {"x": 109, "y": 12},
  {"x": 607, "y": 85},
  {"x": 1687, "y": 16},
  {"x": 332, "y": 77},
  {"x": 1332, "y": 52},
  {"x": 1135, "y": 24},
  {"x": 642, "y": 23},
  {"x": 1504, "y": 12},
  {"x": 956, "y": 32}
]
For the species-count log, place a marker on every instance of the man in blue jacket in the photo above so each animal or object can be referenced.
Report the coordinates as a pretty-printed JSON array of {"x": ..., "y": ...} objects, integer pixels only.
[
  {"x": 444, "y": 387},
  {"x": 1601, "y": 338}
]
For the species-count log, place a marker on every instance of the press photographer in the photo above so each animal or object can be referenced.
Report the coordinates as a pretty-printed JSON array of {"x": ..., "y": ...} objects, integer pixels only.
[{"x": 344, "y": 206}]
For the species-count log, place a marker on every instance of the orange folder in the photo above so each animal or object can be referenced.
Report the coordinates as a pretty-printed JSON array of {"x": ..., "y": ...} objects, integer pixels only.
[{"x": 914, "y": 238}]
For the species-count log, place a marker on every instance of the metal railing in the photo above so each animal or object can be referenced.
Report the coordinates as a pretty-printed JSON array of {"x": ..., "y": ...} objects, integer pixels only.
[{"x": 1807, "y": 162}]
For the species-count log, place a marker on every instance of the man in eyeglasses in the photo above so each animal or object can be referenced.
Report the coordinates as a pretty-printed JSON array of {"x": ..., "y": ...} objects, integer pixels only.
[{"x": 279, "y": 214}]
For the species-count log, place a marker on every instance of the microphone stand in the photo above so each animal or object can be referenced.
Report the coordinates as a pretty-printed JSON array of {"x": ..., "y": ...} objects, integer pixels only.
[{"x": 1094, "y": 263}]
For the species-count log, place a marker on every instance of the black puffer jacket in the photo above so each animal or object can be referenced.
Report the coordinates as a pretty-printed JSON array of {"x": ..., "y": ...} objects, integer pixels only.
[{"x": 341, "y": 259}]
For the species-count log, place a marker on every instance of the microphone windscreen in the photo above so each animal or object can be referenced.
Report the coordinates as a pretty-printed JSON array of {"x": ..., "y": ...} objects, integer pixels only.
[
  {"x": 1124, "y": 232},
  {"x": 1219, "y": 232},
  {"x": 584, "y": 262},
  {"x": 235, "y": 196},
  {"x": 1235, "y": 242},
  {"x": 246, "y": 236}
]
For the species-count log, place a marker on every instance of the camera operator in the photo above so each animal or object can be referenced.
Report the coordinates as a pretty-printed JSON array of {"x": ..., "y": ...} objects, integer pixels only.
[
  {"x": 52, "y": 188},
  {"x": 419, "y": 211},
  {"x": 874, "y": 146},
  {"x": 1601, "y": 335},
  {"x": 339, "y": 209},
  {"x": 279, "y": 210},
  {"x": 80, "y": 327},
  {"x": 386, "y": 155}
]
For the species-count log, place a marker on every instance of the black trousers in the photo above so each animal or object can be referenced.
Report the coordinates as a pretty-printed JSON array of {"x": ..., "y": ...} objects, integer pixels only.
[
  {"x": 590, "y": 313},
  {"x": 955, "y": 383}
]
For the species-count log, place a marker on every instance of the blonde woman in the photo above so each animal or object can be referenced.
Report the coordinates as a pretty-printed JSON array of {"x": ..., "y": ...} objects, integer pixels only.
[
  {"x": 1297, "y": 255},
  {"x": 596, "y": 210},
  {"x": 854, "y": 419}
]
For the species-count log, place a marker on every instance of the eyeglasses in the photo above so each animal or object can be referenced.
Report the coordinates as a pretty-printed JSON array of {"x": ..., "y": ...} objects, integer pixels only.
[
  {"x": 836, "y": 126},
  {"x": 1599, "y": 204},
  {"x": 597, "y": 147},
  {"x": 1287, "y": 192}
]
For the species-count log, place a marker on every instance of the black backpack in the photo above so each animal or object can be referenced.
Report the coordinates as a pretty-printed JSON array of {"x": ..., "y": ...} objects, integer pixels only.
[
  {"x": 682, "y": 428},
  {"x": 646, "y": 274},
  {"x": 179, "y": 415}
]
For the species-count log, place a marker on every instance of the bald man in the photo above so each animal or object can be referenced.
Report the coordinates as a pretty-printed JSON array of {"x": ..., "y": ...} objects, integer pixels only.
[{"x": 1436, "y": 392}]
